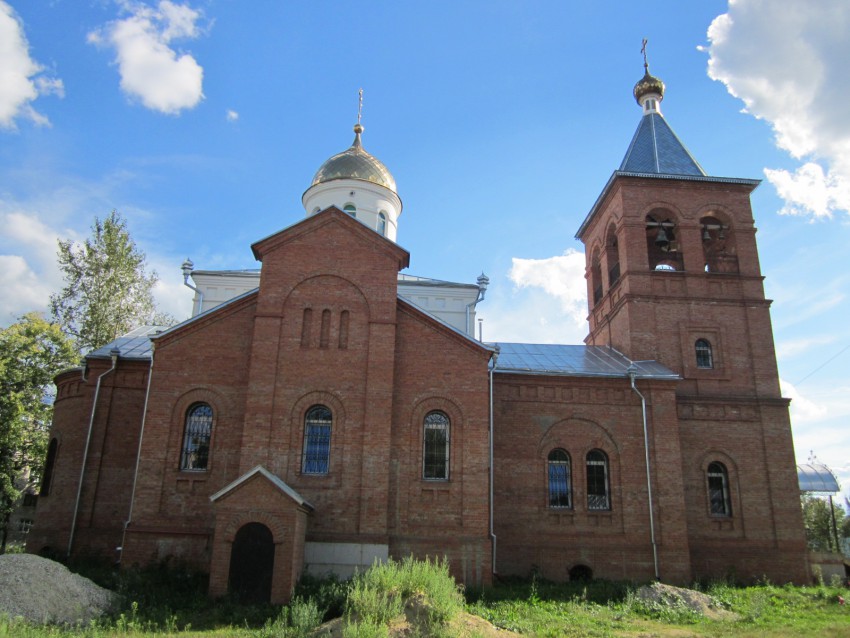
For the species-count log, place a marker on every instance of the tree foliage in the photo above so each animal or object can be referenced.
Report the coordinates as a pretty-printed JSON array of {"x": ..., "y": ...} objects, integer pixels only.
[
  {"x": 107, "y": 291},
  {"x": 818, "y": 522},
  {"x": 32, "y": 352}
]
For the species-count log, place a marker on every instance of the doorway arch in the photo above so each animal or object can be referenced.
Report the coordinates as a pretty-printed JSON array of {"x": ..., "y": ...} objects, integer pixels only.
[{"x": 252, "y": 564}]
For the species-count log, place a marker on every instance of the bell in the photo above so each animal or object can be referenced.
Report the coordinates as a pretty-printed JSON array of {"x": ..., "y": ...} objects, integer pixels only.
[
  {"x": 661, "y": 238},
  {"x": 706, "y": 236}
]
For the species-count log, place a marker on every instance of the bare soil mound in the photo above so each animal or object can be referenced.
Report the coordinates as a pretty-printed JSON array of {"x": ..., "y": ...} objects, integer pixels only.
[
  {"x": 702, "y": 604},
  {"x": 44, "y": 591}
]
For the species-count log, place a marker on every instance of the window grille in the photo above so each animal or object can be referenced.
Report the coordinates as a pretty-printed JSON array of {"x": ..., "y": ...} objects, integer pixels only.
[
  {"x": 598, "y": 497},
  {"x": 25, "y": 525},
  {"x": 317, "y": 440},
  {"x": 560, "y": 492},
  {"x": 718, "y": 490},
  {"x": 436, "y": 453},
  {"x": 196, "y": 438},
  {"x": 703, "y": 353}
]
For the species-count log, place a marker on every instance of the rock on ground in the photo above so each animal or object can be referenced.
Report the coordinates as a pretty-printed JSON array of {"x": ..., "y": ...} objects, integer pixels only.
[{"x": 44, "y": 591}]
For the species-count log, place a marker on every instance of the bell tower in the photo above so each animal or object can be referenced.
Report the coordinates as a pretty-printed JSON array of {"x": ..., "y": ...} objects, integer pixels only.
[
  {"x": 672, "y": 266},
  {"x": 673, "y": 275}
]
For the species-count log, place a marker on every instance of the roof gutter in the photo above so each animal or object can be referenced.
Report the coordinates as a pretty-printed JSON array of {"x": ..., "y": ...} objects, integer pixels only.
[
  {"x": 632, "y": 374},
  {"x": 492, "y": 367},
  {"x": 187, "y": 269},
  {"x": 114, "y": 353},
  {"x": 138, "y": 459}
]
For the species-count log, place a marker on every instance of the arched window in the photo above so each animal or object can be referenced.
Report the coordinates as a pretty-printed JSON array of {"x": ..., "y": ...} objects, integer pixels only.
[
  {"x": 598, "y": 497},
  {"x": 436, "y": 447},
  {"x": 705, "y": 359},
  {"x": 49, "y": 464},
  {"x": 317, "y": 440},
  {"x": 718, "y": 490},
  {"x": 351, "y": 209},
  {"x": 382, "y": 223},
  {"x": 196, "y": 438},
  {"x": 560, "y": 483}
]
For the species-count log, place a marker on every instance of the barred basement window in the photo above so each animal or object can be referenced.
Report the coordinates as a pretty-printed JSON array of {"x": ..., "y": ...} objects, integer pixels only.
[
  {"x": 598, "y": 497},
  {"x": 436, "y": 447},
  {"x": 318, "y": 423},
  {"x": 25, "y": 525},
  {"x": 196, "y": 438},
  {"x": 718, "y": 490},
  {"x": 560, "y": 488},
  {"x": 703, "y": 353}
]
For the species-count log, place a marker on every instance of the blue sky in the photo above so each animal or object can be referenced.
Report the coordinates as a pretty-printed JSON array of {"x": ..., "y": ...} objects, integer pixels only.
[{"x": 203, "y": 121}]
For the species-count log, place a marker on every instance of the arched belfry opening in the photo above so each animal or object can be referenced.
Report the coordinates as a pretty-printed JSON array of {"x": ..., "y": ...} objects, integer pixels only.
[
  {"x": 718, "y": 245},
  {"x": 596, "y": 276},
  {"x": 663, "y": 248},
  {"x": 612, "y": 255},
  {"x": 252, "y": 564}
]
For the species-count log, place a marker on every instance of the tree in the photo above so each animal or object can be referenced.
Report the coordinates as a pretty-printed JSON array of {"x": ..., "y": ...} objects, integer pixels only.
[
  {"x": 818, "y": 522},
  {"x": 32, "y": 352},
  {"x": 107, "y": 291}
]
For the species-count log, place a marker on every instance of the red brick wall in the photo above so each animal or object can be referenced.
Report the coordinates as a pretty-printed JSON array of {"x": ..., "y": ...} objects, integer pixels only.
[
  {"x": 535, "y": 415},
  {"x": 436, "y": 369},
  {"x": 109, "y": 469}
]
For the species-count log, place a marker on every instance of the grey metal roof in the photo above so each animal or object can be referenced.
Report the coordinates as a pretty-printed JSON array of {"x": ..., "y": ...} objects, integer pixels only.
[
  {"x": 415, "y": 280},
  {"x": 136, "y": 344},
  {"x": 574, "y": 360},
  {"x": 655, "y": 148},
  {"x": 816, "y": 477}
]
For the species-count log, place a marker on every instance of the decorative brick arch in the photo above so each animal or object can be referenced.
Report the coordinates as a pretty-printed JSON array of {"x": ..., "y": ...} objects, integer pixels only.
[{"x": 238, "y": 520}]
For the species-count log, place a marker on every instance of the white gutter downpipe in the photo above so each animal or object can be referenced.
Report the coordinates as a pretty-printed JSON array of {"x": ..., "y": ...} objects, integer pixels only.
[
  {"x": 632, "y": 373},
  {"x": 114, "y": 353},
  {"x": 138, "y": 458},
  {"x": 493, "y": 360},
  {"x": 483, "y": 281},
  {"x": 187, "y": 268}
]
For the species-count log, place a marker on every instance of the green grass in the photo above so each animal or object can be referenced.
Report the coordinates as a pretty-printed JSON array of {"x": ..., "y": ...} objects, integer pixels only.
[
  {"x": 613, "y": 609},
  {"x": 171, "y": 601}
]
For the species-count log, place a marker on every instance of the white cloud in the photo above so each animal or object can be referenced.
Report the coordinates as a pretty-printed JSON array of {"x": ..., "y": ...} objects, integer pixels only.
[
  {"x": 28, "y": 270},
  {"x": 548, "y": 302},
  {"x": 790, "y": 71},
  {"x": 20, "y": 79},
  {"x": 561, "y": 276},
  {"x": 803, "y": 409},
  {"x": 151, "y": 70},
  {"x": 808, "y": 191},
  {"x": 795, "y": 347},
  {"x": 232, "y": 115}
]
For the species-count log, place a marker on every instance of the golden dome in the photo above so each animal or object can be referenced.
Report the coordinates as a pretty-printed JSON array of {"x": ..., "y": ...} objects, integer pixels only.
[
  {"x": 648, "y": 84},
  {"x": 355, "y": 163}
]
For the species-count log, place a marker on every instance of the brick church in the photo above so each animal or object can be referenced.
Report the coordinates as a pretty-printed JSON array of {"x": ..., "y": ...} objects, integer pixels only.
[{"x": 328, "y": 410}]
